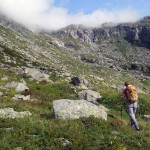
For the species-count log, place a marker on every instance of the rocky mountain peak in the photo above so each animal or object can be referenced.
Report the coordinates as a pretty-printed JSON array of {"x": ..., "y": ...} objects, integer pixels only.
[{"x": 134, "y": 33}]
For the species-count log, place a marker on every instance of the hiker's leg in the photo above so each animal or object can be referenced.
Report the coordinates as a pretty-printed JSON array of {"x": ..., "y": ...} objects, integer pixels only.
[
  {"x": 134, "y": 110},
  {"x": 132, "y": 117}
]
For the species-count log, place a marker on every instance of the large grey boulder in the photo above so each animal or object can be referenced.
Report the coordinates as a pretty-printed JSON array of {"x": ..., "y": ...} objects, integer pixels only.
[
  {"x": 89, "y": 95},
  {"x": 10, "y": 113},
  {"x": 19, "y": 86},
  {"x": 74, "y": 109}
]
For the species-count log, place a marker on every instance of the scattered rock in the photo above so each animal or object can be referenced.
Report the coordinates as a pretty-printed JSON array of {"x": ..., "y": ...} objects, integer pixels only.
[
  {"x": 33, "y": 136},
  {"x": 139, "y": 144},
  {"x": 146, "y": 117},
  {"x": 19, "y": 87},
  {"x": 83, "y": 87},
  {"x": 1, "y": 93},
  {"x": 4, "y": 78},
  {"x": 65, "y": 141},
  {"x": 89, "y": 95},
  {"x": 97, "y": 78},
  {"x": 114, "y": 132},
  {"x": 74, "y": 109},
  {"x": 21, "y": 97},
  {"x": 19, "y": 148},
  {"x": 118, "y": 87},
  {"x": 9, "y": 129},
  {"x": 36, "y": 74},
  {"x": 81, "y": 82},
  {"x": 75, "y": 81},
  {"x": 10, "y": 113}
]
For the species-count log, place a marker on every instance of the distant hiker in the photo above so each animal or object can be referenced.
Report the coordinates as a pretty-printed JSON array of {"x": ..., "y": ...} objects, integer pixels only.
[{"x": 131, "y": 97}]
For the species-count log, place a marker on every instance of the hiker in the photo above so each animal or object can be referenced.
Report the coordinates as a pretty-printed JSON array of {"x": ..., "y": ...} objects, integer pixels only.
[{"x": 131, "y": 97}]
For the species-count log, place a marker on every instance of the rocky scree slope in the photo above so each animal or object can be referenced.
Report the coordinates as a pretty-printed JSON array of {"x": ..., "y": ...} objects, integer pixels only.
[
  {"x": 76, "y": 48},
  {"x": 20, "y": 47}
]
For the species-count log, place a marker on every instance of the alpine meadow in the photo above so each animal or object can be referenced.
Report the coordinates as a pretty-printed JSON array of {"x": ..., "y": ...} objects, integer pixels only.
[{"x": 62, "y": 89}]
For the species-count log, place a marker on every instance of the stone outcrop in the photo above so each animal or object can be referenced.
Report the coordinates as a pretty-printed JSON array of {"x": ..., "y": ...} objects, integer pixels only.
[{"x": 74, "y": 109}]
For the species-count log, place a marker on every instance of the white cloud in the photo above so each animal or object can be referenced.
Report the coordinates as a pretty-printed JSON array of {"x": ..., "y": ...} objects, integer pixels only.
[{"x": 43, "y": 14}]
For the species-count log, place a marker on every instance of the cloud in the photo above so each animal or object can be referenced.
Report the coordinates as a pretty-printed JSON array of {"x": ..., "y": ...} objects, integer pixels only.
[{"x": 43, "y": 14}]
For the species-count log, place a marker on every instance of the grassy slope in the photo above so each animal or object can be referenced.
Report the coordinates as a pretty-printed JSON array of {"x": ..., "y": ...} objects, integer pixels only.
[{"x": 42, "y": 132}]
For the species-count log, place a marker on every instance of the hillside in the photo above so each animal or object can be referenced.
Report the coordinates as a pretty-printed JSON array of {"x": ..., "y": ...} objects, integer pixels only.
[{"x": 45, "y": 62}]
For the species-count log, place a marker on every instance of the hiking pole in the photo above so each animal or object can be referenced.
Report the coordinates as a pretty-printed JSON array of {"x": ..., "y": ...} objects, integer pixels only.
[
  {"x": 122, "y": 97},
  {"x": 121, "y": 113}
]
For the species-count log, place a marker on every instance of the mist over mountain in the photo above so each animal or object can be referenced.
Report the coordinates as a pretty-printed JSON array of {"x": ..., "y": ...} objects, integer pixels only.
[
  {"x": 123, "y": 46},
  {"x": 43, "y": 14}
]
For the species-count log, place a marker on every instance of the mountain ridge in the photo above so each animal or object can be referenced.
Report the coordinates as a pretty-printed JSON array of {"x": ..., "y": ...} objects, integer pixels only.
[{"x": 119, "y": 47}]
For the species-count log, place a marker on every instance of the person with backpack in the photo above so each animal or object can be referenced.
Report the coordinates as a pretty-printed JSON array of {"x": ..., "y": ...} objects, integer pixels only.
[{"x": 131, "y": 97}]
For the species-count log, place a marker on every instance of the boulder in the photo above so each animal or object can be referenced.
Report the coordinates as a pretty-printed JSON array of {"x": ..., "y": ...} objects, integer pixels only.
[
  {"x": 74, "y": 109},
  {"x": 75, "y": 81},
  {"x": 64, "y": 141},
  {"x": 10, "y": 113},
  {"x": 146, "y": 117},
  {"x": 4, "y": 78},
  {"x": 89, "y": 95},
  {"x": 81, "y": 82},
  {"x": 21, "y": 97},
  {"x": 36, "y": 74},
  {"x": 83, "y": 87},
  {"x": 19, "y": 86}
]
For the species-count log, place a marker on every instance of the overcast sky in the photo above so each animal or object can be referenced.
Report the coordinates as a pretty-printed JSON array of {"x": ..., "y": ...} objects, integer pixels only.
[{"x": 56, "y": 14}]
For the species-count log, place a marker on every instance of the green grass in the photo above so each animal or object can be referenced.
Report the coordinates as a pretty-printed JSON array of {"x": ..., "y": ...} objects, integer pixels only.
[
  {"x": 13, "y": 56},
  {"x": 42, "y": 132},
  {"x": 49, "y": 92}
]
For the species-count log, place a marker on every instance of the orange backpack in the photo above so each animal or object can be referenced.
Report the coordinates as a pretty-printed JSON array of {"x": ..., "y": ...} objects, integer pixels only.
[{"x": 132, "y": 94}]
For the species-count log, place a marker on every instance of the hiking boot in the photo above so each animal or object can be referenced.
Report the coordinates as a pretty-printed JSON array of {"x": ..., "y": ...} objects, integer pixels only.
[{"x": 138, "y": 129}]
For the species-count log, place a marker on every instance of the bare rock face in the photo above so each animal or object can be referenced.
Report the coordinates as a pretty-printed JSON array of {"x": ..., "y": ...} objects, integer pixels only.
[
  {"x": 135, "y": 33},
  {"x": 76, "y": 32},
  {"x": 74, "y": 109},
  {"x": 117, "y": 44}
]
